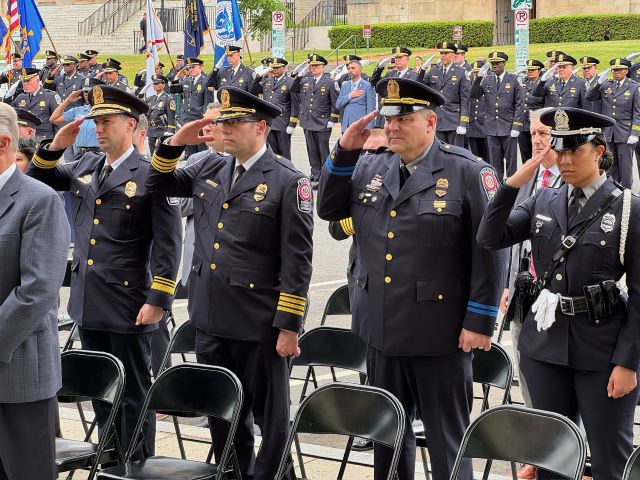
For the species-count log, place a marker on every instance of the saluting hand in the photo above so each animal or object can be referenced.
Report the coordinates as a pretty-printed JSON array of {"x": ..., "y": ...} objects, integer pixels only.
[
  {"x": 149, "y": 314},
  {"x": 621, "y": 382},
  {"x": 356, "y": 135},
  {"x": 189, "y": 133},
  {"x": 527, "y": 170},
  {"x": 66, "y": 136},
  {"x": 469, "y": 340},
  {"x": 287, "y": 344}
]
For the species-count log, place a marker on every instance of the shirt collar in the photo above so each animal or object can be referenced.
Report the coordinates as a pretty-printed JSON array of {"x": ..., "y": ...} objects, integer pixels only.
[
  {"x": 412, "y": 166},
  {"x": 555, "y": 174},
  {"x": 253, "y": 159},
  {"x": 121, "y": 160},
  {"x": 590, "y": 189},
  {"x": 402, "y": 72},
  {"x": 6, "y": 175}
]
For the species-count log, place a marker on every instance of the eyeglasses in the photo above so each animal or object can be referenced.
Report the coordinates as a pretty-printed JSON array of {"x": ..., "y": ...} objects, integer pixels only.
[{"x": 234, "y": 122}]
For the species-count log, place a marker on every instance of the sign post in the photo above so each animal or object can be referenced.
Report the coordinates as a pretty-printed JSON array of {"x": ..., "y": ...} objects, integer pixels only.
[
  {"x": 366, "y": 34},
  {"x": 277, "y": 33},
  {"x": 457, "y": 33},
  {"x": 521, "y": 36}
]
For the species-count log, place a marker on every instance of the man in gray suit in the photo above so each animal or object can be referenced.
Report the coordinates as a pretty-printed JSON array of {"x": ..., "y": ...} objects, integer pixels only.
[{"x": 34, "y": 241}]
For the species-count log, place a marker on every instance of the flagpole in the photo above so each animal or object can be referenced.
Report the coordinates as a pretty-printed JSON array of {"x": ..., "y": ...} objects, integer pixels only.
[
  {"x": 46, "y": 30},
  {"x": 166, "y": 44},
  {"x": 246, "y": 44}
]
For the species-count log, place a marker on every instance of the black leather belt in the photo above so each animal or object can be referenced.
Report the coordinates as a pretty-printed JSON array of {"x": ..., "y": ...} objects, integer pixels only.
[
  {"x": 84, "y": 150},
  {"x": 572, "y": 305}
]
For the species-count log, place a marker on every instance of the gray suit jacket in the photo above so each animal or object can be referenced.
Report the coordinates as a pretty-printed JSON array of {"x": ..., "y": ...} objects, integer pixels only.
[{"x": 34, "y": 243}]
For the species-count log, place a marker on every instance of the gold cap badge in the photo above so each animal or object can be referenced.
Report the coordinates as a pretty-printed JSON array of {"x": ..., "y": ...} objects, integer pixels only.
[
  {"x": 393, "y": 89},
  {"x": 98, "y": 96},
  {"x": 561, "y": 120},
  {"x": 225, "y": 99}
]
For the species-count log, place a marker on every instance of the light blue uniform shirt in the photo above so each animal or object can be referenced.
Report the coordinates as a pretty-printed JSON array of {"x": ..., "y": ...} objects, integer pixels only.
[{"x": 87, "y": 136}]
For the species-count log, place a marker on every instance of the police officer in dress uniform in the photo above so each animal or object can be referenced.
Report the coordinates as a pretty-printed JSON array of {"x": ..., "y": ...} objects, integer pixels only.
[
  {"x": 621, "y": 101},
  {"x": 94, "y": 66},
  {"x": 552, "y": 57},
  {"x": 276, "y": 89},
  {"x": 531, "y": 102},
  {"x": 140, "y": 80},
  {"x": 318, "y": 94},
  {"x": 83, "y": 64},
  {"x": 179, "y": 65},
  {"x": 120, "y": 286},
  {"x": 195, "y": 96},
  {"x": 162, "y": 109},
  {"x": 237, "y": 74},
  {"x": 67, "y": 81},
  {"x": 51, "y": 62},
  {"x": 589, "y": 67},
  {"x": 253, "y": 222},
  {"x": 38, "y": 101},
  {"x": 475, "y": 130},
  {"x": 451, "y": 81},
  {"x": 417, "y": 205},
  {"x": 459, "y": 59},
  {"x": 503, "y": 112},
  {"x": 111, "y": 76},
  {"x": 27, "y": 124},
  {"x": 12, "y": 76},
  {"x": 579, "y": 344},
  {"x": 565, "y": 90}
]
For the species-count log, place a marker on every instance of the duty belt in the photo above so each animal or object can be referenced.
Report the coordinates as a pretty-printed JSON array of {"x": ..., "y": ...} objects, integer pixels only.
[{"x": 572, "y": 305}]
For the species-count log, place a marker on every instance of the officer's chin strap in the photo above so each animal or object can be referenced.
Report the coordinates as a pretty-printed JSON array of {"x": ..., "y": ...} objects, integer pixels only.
[{"x": 545, "y": 309}]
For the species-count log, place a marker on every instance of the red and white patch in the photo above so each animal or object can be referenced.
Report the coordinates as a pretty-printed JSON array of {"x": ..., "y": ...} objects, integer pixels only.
[
  {"x": 305, "y": 196},
  {"x": 489, "y": 182}
]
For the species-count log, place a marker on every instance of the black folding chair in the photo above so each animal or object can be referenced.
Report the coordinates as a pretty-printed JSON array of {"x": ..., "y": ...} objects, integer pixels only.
[
  {"x": 95, "y": 376},
  {"x": 331, "y": 347},
  {"x": 552, "y": 441},
  {"x": 353, "y": 410},
  {"x": 632, "y": 468},
  {"x": 186, "y": 388},
  {"x": 490, "y": 369}
]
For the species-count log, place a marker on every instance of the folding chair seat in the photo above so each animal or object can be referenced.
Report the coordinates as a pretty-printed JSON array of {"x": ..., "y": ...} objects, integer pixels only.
[
  {"x": 553, "y": 442},
  {"x": 632, "y": 468},
  {"x": 186, "y": 388},
  {"x": 352, "y": 410},
  {"x": 95, "y": 376}
]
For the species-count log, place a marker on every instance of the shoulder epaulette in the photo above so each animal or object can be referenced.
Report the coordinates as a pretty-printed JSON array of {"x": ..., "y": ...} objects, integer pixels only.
[
  {"x": 463, "y": 152},
  {"x": 285, "y": 162}
]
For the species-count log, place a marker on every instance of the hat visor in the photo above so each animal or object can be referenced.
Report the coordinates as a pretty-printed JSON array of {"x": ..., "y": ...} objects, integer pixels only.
[
  {"x": 619, "y": 67},
  {"x": 497, "y": 60},
  {"x": 534, "y": 67},
  {"x": 399, "y": 110},
  {"x": 232, "y": 116},
  {"x": 317, "y": 63},
  {"x": 445, "y": 50},
  {"x": 569, "y": 142},
  {"x": 562, "y": 64},
  {"x": 101, "y": 111}
]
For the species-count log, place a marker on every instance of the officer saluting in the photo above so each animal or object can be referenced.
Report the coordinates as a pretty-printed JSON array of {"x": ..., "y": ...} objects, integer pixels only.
[
  {"x": 253, "y": 222},
  {"x": 426, "y": 293},
  {"x": 580, "y": 342},
  {"x": 237, "y": 74},
  {"x": 566, "y": 90},
  {"x": 94, "y": 66},
  {"x": 276, "y": 88},
  {"x": 66, "y": 82},
  {"x": 589, "y": 67},
  {"x": 531, "y": 102},
  {"x": 38, "y": 101},
  {"x": 475, "y": 130},
  {"x": 162, "y": 112},
  {"x": 51, "y": 62},
  {"x": 120, "y": 285},
  {"x": 13, "y": 75}
]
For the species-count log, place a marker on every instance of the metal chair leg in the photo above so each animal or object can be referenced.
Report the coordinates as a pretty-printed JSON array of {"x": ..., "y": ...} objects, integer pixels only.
[
  {"x": 345, "y": 458},
  {"x": 296, "y": 441},
  {"x": 176, "y": 426},
  {"x": 425, "y": 464}
]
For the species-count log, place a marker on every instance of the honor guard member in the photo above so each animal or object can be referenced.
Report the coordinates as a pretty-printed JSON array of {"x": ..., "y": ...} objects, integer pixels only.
[
  {"x": 415, "y": 212},
  {"x": 27, "y": 124},
  {"x": 459, "y": 59},
  {"x": 195, "y": 97},
  {"x": 162, "y": 109},
  {"x": 120, "y": 285},
  {"x": 504, "y": 111},
  {"x": 475, "y": 130},
  {"x": 579, "y": 344},
  {"x": 67, "y": 81},
  {"x": 589, "y": 66},
  {"x": 565, "y": 90},
  {"x": 51, "y": 63},
  {"x": 110, "y": 75},
  {"x": 451, "y": 81},
  {"x": 620, "y": 101},
  {"x": 140, "y": 80},
  {"x": 531, "y": 103},
  {"x": 38, "y": 101},
  {"x": 12, "y": 76},
  {"x": 253, "y": 222},
  {"x": 318, "y": 114},
  {"x": 237, "y": 74},
  {"x": 276, "y": 89}
]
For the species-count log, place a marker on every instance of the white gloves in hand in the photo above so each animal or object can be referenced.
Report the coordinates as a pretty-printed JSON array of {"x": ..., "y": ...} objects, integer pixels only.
[
  {"x": 461, "y": 130},
  {"x": 290, "y": 130},
  {"x": 549, "y": 73},
  {"x": 515, "y": 133},
  {"x": 384, "y": 62},
  {"x": 484, "y": 70},
  {"x": 545, "y": 309},
  {"x": 331, "y": 124},
  {"x": 633, "y": 139}
]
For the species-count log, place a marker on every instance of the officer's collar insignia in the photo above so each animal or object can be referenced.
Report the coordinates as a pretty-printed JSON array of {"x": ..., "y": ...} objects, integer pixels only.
[
  {"x": 561, "y": 119},
  {"x": 98, "y": 96},
  {"x": 260, "y": 192},
  {"x": 393, "y": 90},
  {"x": 211, "y": 182},
  {"x": 375, "y": 183},
  {"x": 442, "y": 185},
  {"x": 608, "y": 222},
  {"x": 130, "y": 188},
  {"x": 225, "y": 99},
  {"x": 86, "y": 179}
]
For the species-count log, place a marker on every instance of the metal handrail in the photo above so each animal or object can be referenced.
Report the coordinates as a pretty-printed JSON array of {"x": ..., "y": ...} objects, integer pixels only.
[
  {"x": 336, "y": 50},
  {"x": 109, "y": 16}
]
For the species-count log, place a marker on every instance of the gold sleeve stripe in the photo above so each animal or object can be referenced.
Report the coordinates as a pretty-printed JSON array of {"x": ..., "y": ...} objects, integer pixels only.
[
  {"x": 163, "y": 288},
  {"x": 165, "y": 281},
  {"x": 635, "y": 127},
  {"x": 335, "y": 115},
  {"x": 295, "y": 312},
  {"x": 42, "y": 163},
  {"x": 296, "y": 306},
  {"x": 518, "y": 123},
  {"x": 163, "y": 165},
  {"x": 293, "y": 298},
  {"x": 464, "y": 118},
  {"x": 347, "y": 226}
]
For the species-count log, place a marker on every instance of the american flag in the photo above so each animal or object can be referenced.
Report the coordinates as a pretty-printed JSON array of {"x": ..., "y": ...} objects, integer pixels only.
[{"x": 14, "y": 25}]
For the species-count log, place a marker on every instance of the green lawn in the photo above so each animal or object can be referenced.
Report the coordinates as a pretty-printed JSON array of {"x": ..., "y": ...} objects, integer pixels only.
[{"x": 604, "y": 51}]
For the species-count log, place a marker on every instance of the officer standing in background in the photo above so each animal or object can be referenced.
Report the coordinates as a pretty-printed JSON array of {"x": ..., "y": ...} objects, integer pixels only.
[
  {"x": 111, "y": 75},
  {"x": 38, "y": 101},
  {"x": 83, "y": 66},
  {"x": 116, "y": 222},
  {"x": 179, "y": 65},
  {"x": 94, "y": 66},
  {"x": 195, "y": 97},
  {"x": 417, "y": 205},
  {"x": 621, "y": 101},
  {"x": 475, "y": 130},
  {"x": 12, "y": 76},
  {"x": 341, "y": 74},
  {"x": 504, "y": 110},
  {"x": 27, "y": 124},
  {"x": 531, "y": 103},
  {"x": 162, "y": 109},
  {"x": 552, "y": 57},
  {"x": 357, "y": 97},
  {"x": 237, "y": 74},
  {"x": 318, "y": 94},
  {"x": 459, "y": 59},
  {"x": 66, "y": 82},
  {"x": 451, "y": 81},
  {"x": 253, "y": 222},
  {"x": 589, "y": 67},
  {"x": 565, "y": 90},
  {"x": 276, "y": 88},
  {"x": 51, "y": 62}
]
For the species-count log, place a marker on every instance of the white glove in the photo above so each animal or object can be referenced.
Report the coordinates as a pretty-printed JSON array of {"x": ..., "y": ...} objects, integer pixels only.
[
  {"x": 262, "y": 70},
  {"x": 603, "y": 76},
  {"x": 522, "y": 79},
  {"x": 290, "y": 130},
  {"x": 220, "y": 62},
  {"x": 427, "y": 63},
  {"x": 302, "y": 72},
  {"x": 632, "y": 56},
  {"x": 633, "y": 139},
  {"x": 515, "y": 133},
  {"x": 300, "y": 67},
  {"x": 331, "y": 124},
  {"x": 461, "y": 130},
  {"x": 484, "y": 70},
  {"x": 545, "y": 309},
  {"x": 549, "y": 73},
  {"x": 384, "y": 62},
  {"x": 575, "y": 71}
]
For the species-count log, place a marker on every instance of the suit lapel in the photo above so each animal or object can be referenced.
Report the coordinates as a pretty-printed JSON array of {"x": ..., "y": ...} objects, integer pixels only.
[
  {"x": 422, "y": 177},
  {"x": 9, "y": 190}
]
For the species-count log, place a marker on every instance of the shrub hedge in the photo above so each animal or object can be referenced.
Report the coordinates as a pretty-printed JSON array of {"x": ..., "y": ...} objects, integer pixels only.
[{"x": 584, "y": 28}]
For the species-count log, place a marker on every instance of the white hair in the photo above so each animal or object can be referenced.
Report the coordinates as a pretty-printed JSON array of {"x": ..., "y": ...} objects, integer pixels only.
[{"x": 9, "y": 124}]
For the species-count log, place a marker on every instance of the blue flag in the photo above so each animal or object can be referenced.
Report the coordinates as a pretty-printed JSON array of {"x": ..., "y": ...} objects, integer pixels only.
[
  {"x": 31, "y": 26},
  {"x": 196, "y": 28},
  {"x": 228, "y": 27},
  {"x": 3, "y": 30}
]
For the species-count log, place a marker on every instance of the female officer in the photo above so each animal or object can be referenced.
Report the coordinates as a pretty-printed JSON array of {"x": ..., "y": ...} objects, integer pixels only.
[{"x": 579, "y": 343}]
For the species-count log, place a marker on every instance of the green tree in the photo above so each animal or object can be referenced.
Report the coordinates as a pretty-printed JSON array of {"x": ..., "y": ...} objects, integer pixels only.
[{"x": 257, "y": 15}]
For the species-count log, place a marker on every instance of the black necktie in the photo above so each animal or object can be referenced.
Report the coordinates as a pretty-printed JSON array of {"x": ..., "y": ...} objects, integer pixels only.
[
  {"x": 104, "y": 173},
  {"x": 497, "y": 83},
  {"x": 563, "y": 85},
  {"x": 574, "y": 205},
  {"x": 404, "y": 174},
  {"x": 239, "y": 172}
]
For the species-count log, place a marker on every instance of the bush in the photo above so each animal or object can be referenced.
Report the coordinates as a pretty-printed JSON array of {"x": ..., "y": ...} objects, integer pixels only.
[
  {"x": 415, "y": 34},
  {"x": 584, "y": 28}
]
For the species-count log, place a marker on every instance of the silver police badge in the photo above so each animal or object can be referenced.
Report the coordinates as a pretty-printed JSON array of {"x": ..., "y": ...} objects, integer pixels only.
[{"x": 608, "y": 222}]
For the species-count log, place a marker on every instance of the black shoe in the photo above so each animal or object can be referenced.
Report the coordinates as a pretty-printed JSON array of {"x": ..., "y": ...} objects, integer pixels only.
[{"x": 362, "y": 445}]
